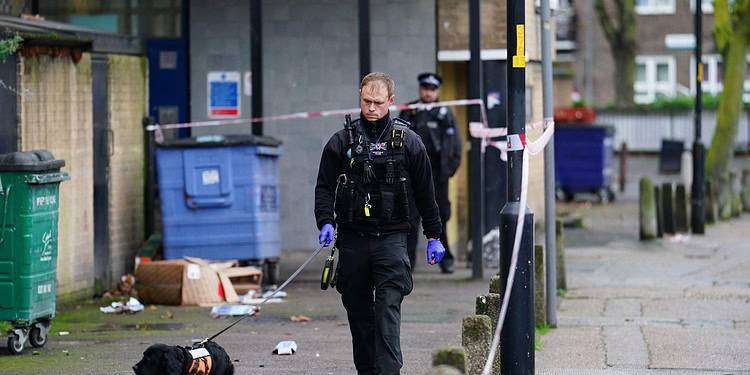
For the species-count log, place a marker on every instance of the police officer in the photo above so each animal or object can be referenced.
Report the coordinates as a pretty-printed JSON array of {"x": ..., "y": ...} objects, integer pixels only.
[
  {"x": 371, "y": 173},
  {"x": 437, "y": 128}
]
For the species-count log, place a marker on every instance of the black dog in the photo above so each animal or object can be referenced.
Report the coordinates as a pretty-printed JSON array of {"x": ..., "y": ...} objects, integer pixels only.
[{"x": 160, "y": 359}]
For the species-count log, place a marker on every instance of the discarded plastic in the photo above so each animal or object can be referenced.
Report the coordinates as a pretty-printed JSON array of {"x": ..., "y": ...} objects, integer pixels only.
[
  {"x": 63, "y": 333},
  {"x": 280, "y": 294},
  {"x": 132, "y": 306},
  {"x": 285, "y": 348},
  {"x": 232, "y": 310}
]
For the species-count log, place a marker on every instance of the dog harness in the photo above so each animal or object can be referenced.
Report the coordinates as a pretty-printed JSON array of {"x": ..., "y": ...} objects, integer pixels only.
[{"x": 202, "y": 362}]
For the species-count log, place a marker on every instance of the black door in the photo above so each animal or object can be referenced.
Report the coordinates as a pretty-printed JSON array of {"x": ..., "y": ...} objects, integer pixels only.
[
  {"x": 102, "y": 152},
  {"x": 495, "y": 169}
]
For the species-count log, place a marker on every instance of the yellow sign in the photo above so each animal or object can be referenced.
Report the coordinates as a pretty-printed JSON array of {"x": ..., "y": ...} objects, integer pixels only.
[
  {"x": 519, "y": 59},
  {"x": 700, "y": 72}
]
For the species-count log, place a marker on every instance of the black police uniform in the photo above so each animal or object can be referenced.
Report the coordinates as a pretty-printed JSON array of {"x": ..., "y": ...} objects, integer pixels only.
[
  {"x": 370, "y": 180},
  {"x": 437, "y": 128}
]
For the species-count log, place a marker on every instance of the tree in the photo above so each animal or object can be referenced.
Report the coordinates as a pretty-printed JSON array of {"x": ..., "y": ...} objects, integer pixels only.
[
  {"x": 620, "y": 34},
  {"x": 732, "y": 35}
]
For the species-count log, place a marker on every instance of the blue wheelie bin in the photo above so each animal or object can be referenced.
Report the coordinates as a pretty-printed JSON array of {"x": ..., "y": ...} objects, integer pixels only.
[
  {"x": 219, "y": 198},
  {"x": 584, "y": 157}
]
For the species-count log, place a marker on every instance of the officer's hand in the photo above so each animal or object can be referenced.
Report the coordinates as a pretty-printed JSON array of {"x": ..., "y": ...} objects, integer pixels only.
[
  {"x": 435, "y": 251},
  {"x": 326, "y": 235}
]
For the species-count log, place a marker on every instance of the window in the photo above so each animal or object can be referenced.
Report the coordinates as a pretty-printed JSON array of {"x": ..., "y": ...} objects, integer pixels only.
[
  {"x": 655, "y": 6},
  {"x": 708, "y": 6},
  {"x": 654, "y": 77},
  {"x": 713, "y": 76}
]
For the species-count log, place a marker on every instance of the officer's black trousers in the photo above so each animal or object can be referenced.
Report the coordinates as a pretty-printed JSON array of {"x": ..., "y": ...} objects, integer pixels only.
[
  {"x": 373, "y": 278},
  {"x": 444, "y": 206}
]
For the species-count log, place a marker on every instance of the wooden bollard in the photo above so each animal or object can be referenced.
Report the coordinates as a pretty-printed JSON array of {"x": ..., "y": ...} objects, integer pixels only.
[
  {"x": 681, "y": 220},
  {"x": 667, "y": 199},
  {"x": 647, "y": 210},
  {"x": 710, "y": 202},
  {"x": 562, "y": 280},
  {"x": 659, "y": 212},
  {"x": 540, "y": 303}
]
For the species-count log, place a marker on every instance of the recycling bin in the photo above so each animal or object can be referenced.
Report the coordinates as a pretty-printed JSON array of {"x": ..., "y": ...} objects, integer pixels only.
[{"x": 29, "y": 206}]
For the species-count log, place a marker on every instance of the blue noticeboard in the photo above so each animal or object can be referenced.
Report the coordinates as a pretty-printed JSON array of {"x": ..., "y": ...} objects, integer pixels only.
[{"x": 223, "y": 94}]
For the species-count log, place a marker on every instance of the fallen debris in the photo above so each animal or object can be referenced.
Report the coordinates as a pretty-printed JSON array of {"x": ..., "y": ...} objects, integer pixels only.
[
  {"x": 125, "y": 288},
  {"x": 232, "y": 310},
  {"x": 299, "y": 318},
  {"x": 285, "y": 348},
  {"x": 132, "y": 306}
]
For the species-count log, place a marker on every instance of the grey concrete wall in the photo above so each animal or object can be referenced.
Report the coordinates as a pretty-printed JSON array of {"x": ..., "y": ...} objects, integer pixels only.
[
  {"x": 219, "y": 41},
  {"x": 403, "y": 42},
  {"x": 310, "y": 63}
]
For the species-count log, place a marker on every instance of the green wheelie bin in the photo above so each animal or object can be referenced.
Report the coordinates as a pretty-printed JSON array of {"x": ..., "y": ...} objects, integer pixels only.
[{"x": 29, "y": 186}]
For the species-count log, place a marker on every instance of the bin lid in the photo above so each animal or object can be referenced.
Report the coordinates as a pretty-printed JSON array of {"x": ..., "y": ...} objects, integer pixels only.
[
  {"x": 222, "y": 141},
  {"x": 30, "y": 161}
]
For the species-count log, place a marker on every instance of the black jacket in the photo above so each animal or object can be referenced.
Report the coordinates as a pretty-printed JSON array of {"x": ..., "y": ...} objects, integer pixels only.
[
  {"x": 420, "y": 176},
  {"x": 437, "y": 128}
]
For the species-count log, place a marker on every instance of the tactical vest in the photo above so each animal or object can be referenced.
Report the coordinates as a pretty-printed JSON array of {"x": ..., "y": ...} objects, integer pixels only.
[{"x": 373, "y": 189}]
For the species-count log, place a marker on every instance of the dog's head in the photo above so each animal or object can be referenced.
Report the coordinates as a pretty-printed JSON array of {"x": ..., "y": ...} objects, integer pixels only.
[{"x": 161, "y": 359}]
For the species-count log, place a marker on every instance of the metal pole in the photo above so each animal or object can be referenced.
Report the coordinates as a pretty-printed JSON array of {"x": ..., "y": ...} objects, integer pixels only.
[
  {"x": 588, "y": 69},
  {"x": 477, "y": 156},
  {"x": 364, "y": 38},
  {"x": 517, "y": 338},
  {"x": 256, "y": 61},
  {"x": 698, "y": 213},
  {"x": 549, "y": 171}
]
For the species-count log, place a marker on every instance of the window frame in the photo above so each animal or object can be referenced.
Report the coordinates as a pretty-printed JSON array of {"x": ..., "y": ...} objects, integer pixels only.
[
  {"x": 714, "y": 86},
  {"x": 645, "y": 92},
  {"x": 653, "y": 9}
]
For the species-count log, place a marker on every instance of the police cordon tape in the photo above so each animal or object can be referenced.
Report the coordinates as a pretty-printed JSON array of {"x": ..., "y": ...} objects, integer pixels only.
[
  {"x": 529, "y": 149},
  {"x": 514, "y": 142}
]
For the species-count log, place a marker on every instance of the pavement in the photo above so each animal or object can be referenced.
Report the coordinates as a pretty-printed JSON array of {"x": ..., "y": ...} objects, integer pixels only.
[{"x": 673, "y": 306}]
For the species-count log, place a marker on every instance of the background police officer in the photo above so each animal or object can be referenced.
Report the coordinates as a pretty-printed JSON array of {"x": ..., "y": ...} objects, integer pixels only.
[
  {"x": 437, "y": 128},
  {"x": 370, "y": 175}
]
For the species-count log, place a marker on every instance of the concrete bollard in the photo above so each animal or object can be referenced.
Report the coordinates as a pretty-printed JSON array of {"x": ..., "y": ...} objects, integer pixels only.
[
  {"x": 736, "y": 205},
  {"x": 476, "y": 339},
  {"x": 745, "y": 190},
  {"x": 562, "y": 280},
  {"x": 724, "y": 195},
  {"x": 659, "y": 212},
  {"x": 497, "y": 284},
  {"x": 444, "y": 370},
  {"x": 450, "y": 356},
  {"x": 647, "y": 210},
  {"x": 681, "y": 220},
  {"x": 623, "y": 166},
  {"x": 667, "y": 199},
  {"x": 710, "y": 203},
  {"x": 489, "y": 304},
  {"x": 540, "y": 303}
]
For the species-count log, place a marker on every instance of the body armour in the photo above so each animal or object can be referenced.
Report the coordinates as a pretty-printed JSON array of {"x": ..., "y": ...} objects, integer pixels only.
[{"x": 374, "y": 188}]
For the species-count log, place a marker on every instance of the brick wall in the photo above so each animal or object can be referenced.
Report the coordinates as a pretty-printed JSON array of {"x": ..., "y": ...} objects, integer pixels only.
[
  {"x": 453, "y": 24},
  {"x": 127, "y": 95},
  {"x": 56, "y": 114}
]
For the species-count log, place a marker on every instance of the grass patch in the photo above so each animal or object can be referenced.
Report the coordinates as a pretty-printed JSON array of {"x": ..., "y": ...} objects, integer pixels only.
[
  {"x": 539, "y": 332},
  {"x": 562, "y": 293}
]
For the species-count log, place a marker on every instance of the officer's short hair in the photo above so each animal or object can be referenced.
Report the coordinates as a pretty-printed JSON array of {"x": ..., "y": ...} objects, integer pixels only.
[{"x": 384, "y": 78}]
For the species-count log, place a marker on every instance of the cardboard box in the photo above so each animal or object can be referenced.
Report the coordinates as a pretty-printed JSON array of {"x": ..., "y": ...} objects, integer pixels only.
[{"x": 178, "y": 282}]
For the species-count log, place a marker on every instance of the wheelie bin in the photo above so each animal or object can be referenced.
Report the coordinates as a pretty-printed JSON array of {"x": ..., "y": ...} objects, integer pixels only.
[{"x": 29, "y": 203}]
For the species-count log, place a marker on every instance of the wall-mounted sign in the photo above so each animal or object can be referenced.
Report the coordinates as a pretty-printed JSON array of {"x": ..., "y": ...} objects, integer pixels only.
[{"x": 223, "y": 94}]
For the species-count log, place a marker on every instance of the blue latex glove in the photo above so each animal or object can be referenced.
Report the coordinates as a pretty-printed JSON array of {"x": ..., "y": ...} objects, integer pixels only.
[
  {"x": 326, "y": 235},
  {"x": 435, "y": 252}
]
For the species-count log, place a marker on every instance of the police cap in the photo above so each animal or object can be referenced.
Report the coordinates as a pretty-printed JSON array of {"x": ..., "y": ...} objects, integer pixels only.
[{"x": 430, "y": 80}]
